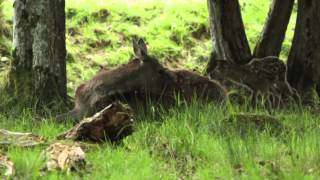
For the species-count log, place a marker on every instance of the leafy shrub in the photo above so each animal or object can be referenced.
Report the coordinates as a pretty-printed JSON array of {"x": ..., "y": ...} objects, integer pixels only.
[{"x": 1, "y": 17}]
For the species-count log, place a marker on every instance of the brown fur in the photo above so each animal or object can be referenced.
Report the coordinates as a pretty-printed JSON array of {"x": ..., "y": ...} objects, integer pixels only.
[
  {"x": 139, "y": 81},
  {"x": 266, "y": 77},
  {"x": 191, "y": 83}
]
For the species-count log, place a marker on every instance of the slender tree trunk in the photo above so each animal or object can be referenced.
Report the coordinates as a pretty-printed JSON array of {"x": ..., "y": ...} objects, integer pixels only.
[
  {"x": 304, "y": 58},
  {"x": 38, "y": 69},
  {"x": 273, "y": 34},
  {"x": 49, "y": 65},
  {"x": 227, "y": 32}
]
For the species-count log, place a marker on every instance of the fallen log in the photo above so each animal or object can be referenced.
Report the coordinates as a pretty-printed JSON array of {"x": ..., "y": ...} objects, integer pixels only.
[
  {"x": 19, "y": 139},
  {"x": 113, "y": 122}
]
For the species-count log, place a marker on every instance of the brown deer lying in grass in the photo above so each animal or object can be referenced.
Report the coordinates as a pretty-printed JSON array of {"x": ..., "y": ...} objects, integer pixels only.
[
  {"x": 265, "y": 77},
  {"x": 138, "y": 81}
]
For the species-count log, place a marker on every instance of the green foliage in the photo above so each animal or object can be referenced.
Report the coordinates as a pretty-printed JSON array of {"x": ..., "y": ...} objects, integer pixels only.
[
  {"x": 5, "y": 40},
  {"x": 1, "y": 7},
  {"x": 1, "y": 27}
]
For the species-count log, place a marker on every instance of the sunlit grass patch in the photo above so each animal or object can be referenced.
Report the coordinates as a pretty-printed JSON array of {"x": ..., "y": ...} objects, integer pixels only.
[{"x": 185, "y": 142}]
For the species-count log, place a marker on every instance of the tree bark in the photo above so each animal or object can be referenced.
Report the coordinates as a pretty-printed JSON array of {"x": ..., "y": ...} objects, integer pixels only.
[
  {"x": 227, "y": 32},
  {"x": 304, "y": 58},
  {"x": 273, "y": 34},
  {"x": 38, "y": 68}
]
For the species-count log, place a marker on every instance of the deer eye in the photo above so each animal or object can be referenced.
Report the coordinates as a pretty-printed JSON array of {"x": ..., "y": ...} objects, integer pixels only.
[{"x": 160, "y": 71}]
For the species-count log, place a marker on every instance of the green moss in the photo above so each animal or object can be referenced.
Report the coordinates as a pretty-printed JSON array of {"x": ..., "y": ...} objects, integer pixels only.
[{"x": 19, "y": 86}]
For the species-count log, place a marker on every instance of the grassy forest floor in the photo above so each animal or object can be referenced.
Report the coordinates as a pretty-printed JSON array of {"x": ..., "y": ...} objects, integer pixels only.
[{"x": 188, "y": 143}]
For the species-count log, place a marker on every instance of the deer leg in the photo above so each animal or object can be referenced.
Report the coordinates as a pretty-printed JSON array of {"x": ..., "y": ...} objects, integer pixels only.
[{"x": 254, "y": 99}]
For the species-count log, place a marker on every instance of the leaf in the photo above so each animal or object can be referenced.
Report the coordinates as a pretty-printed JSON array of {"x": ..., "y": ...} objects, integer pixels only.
[
  {"x": 65, "y": 157},
  {"x": 6, "y": 164}
]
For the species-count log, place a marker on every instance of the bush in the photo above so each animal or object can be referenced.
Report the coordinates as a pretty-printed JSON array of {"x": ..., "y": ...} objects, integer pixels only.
[
  {"x": 1, "y": 13},
  {"x": 1, "y": 16},
  {"x": 1, "y": 22},
  {"x": 5, "y": 34}
]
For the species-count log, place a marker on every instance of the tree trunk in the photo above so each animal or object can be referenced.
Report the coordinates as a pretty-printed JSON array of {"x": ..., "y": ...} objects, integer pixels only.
[
  {"x": 38, "y": 69},
  {"x": 304, "y": 58},
  {"x": 227, "y": 32},
  {"x": 273, "y": 34}
]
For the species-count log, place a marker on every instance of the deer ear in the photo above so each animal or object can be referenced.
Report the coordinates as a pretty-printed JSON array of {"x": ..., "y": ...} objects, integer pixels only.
[
  {"x": 135, "y": 47},
  {"x": 140, "y": 49},
  {"x": 143, "y": 47}
]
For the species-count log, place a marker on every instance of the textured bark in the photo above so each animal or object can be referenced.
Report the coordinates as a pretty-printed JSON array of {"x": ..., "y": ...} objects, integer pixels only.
[
  {"x": 20, "y": 76},
  {"x": 273, "y": 34},
  {"x": 38, "y": 67},
  {"x": 304, "y": 58},
  {"x": 49, "y": 65},
  {"x": 227, "y": 32}
]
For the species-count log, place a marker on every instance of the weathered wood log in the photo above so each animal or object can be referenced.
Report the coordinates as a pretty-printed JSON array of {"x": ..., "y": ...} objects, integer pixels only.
[
  {"x": 113, "y": 122},
  {"x": 19, "y": 139}
]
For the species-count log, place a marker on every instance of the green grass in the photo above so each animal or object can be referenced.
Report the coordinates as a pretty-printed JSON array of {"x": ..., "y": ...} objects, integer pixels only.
[
  {"x": 190, "y": 143},
  {"x": 187, "y": 143}
]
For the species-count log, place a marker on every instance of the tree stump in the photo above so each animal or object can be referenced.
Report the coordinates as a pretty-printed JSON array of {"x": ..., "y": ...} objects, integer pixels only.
[{"x": 113, "y": 122}]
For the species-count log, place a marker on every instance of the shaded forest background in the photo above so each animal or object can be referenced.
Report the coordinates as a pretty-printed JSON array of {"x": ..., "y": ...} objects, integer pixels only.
[{"x": 101, "y": 34}]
